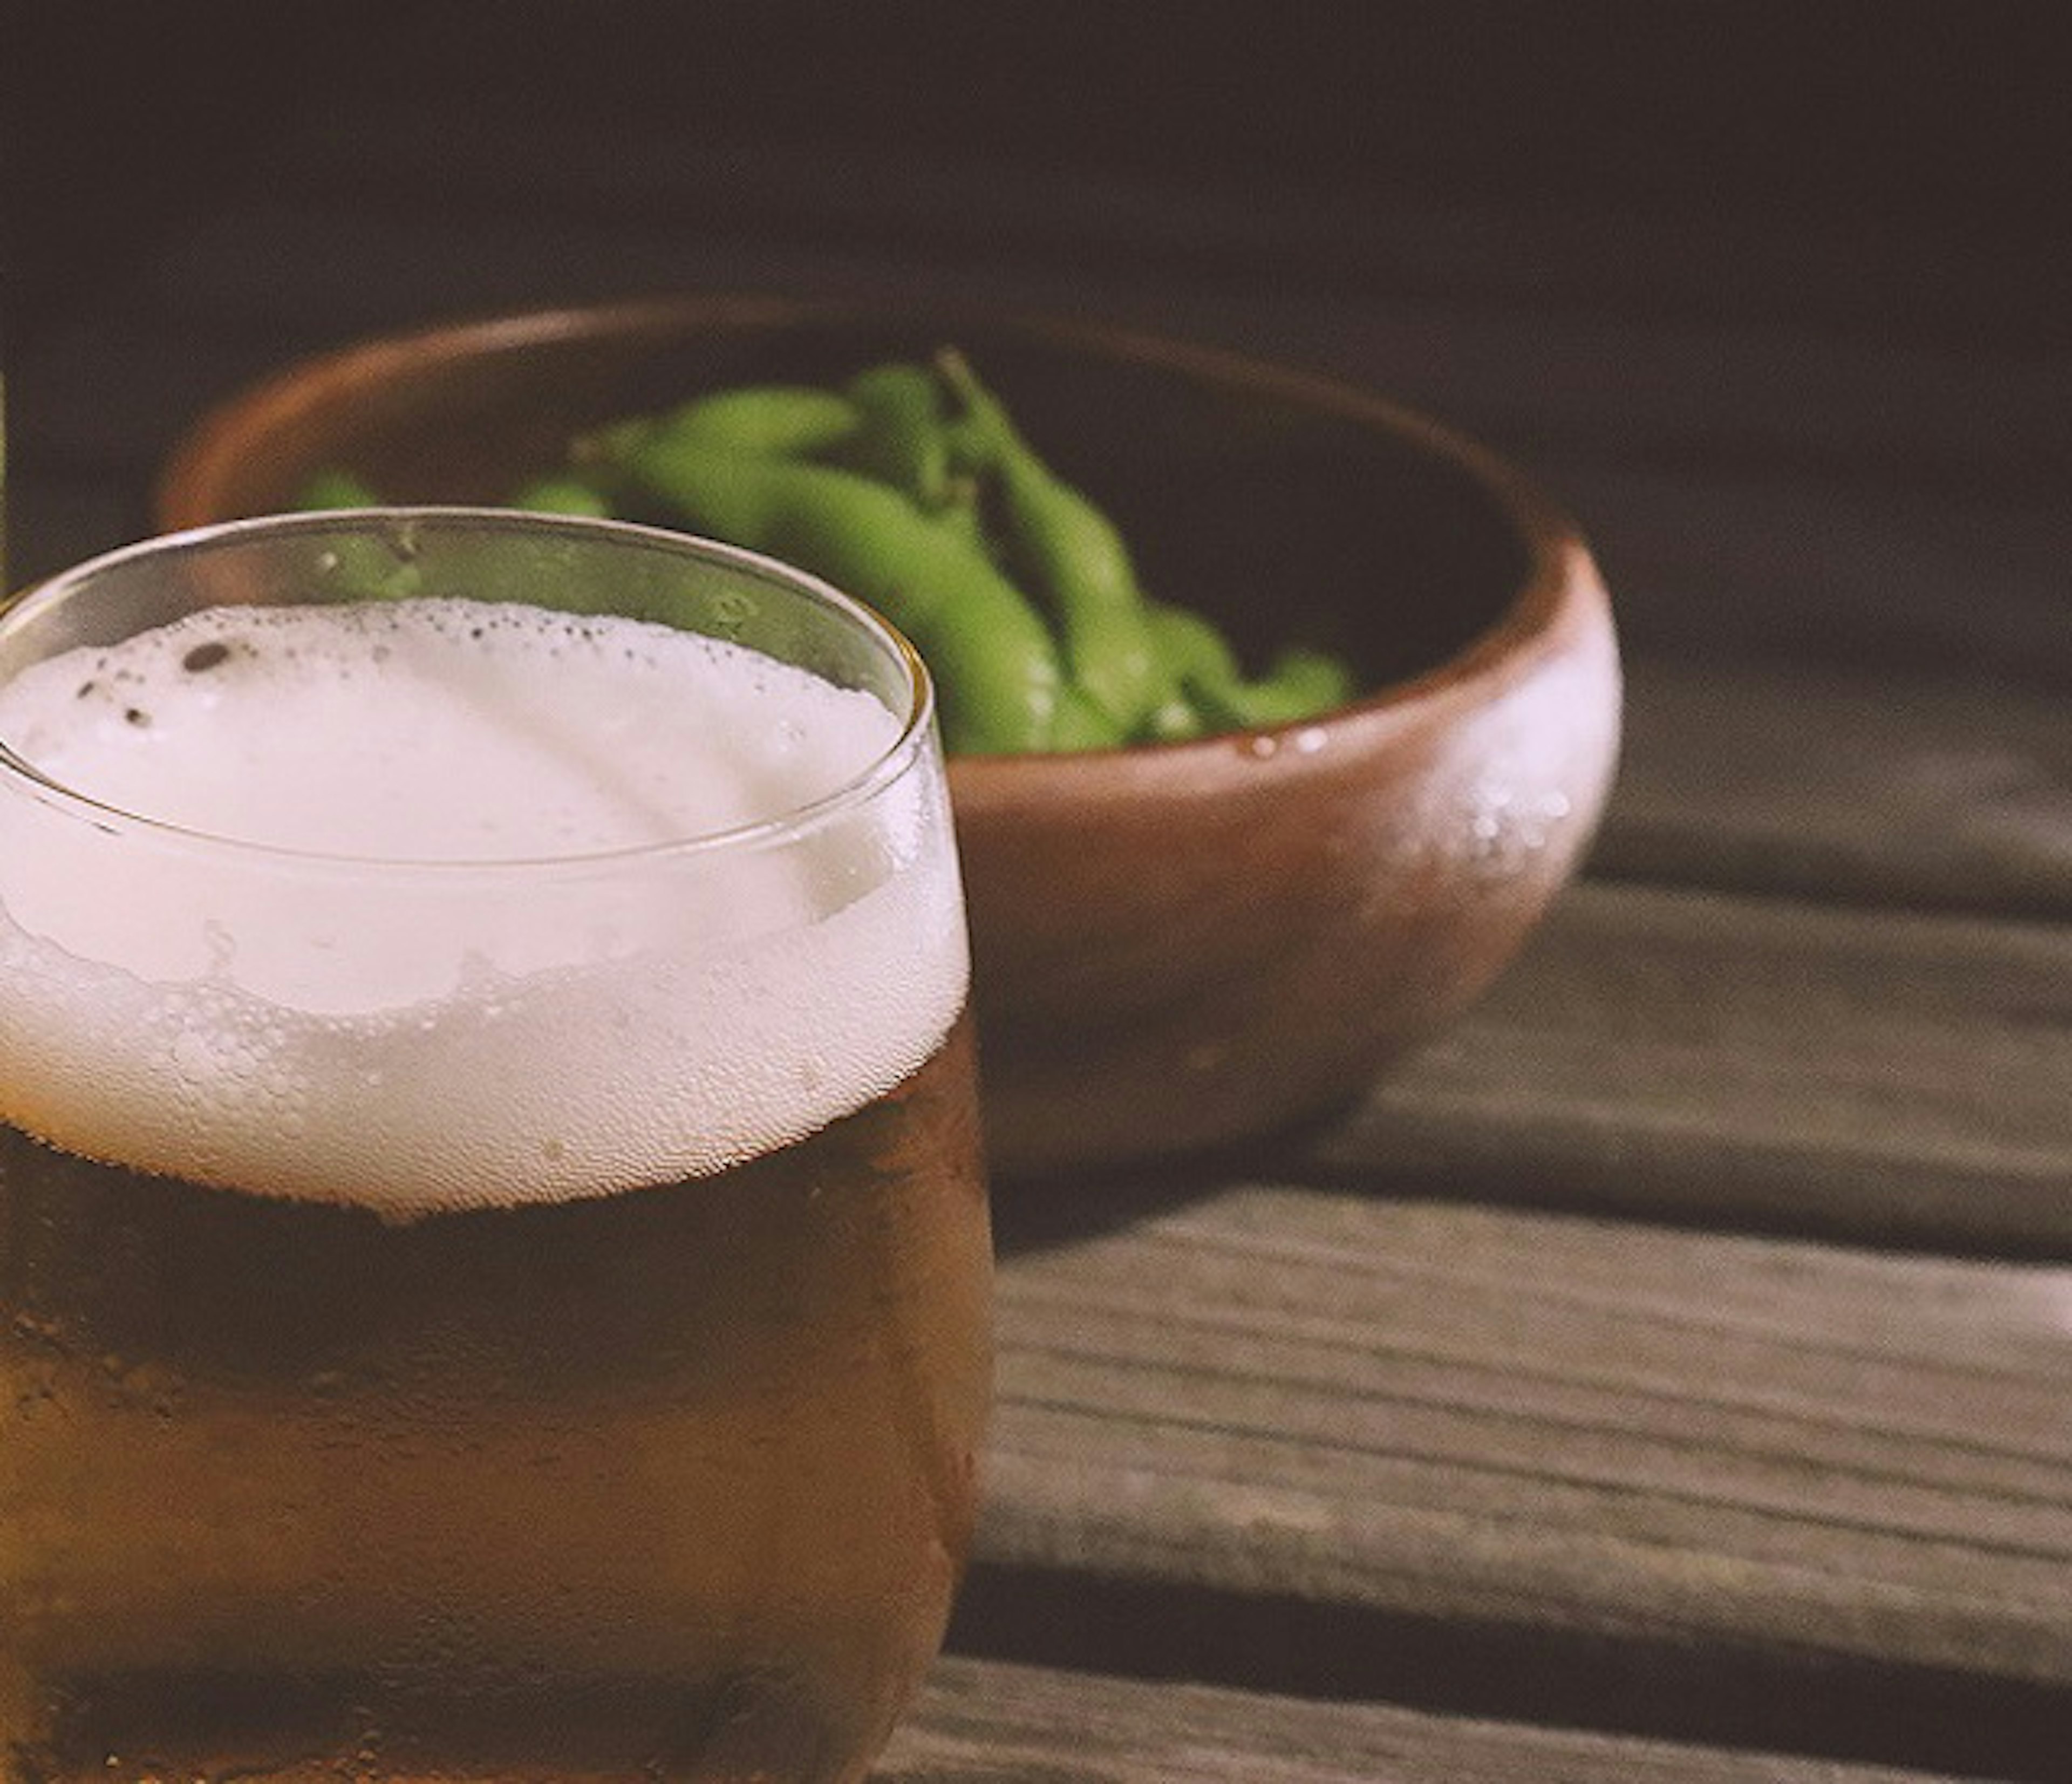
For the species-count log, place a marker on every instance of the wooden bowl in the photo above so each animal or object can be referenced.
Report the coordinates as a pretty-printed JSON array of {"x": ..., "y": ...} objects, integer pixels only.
[{"x": 1176, "y": 947}]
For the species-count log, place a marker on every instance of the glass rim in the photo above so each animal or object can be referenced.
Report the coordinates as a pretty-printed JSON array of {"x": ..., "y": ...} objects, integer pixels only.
[{"x": 887, "y": 766}]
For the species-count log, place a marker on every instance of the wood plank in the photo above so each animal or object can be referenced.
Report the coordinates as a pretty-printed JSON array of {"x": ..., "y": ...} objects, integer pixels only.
[
  {"x": 1933, "y": 791},
  {"x": 1904, "y": 1079},
  {"x": 1772, "y": 1466},
  {"x": 1768, "y": 563},
  {"x": 986, "y": 1723}
]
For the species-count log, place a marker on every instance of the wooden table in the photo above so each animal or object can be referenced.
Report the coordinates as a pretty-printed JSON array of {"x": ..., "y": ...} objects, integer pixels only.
[{"x": 1668, "y": 1374}]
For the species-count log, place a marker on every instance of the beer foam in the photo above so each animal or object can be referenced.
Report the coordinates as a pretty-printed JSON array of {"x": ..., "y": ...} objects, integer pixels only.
[{"x": 530, "y": 983}]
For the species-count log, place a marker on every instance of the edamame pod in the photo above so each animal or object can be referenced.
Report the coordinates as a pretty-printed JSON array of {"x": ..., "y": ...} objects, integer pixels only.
[
  {"x": 1071, "y": 554},
  {"x": 1300, "y": 684},
  {"x": 995, "y": 666},
  {"x": 561, "y": 494},
  {"x": 334, "y": 487},
  {"x": 1195, "y": 650},
  {"x": 1081, "y": 725},
  {"x": 362, "y": 567},
  {"x": 762, "y": 420},
  {"x": 900, "y": 438}
]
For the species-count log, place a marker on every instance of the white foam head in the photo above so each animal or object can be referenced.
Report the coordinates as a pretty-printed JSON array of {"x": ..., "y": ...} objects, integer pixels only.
[{"x": 465, "y": 948}]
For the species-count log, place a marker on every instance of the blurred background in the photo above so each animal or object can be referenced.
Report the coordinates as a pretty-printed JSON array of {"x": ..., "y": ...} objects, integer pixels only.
[{"x": 1840, "y": 118}]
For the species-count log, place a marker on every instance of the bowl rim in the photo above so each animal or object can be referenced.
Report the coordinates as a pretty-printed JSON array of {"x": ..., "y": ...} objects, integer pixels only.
[{"x": 1558, "y": 587}]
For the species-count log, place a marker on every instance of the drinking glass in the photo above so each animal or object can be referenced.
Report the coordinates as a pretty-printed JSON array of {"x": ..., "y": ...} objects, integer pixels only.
[{"x": 493, "y": 1261}]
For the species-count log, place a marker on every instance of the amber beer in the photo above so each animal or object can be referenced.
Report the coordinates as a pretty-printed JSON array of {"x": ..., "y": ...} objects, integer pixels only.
[{"x": 494, "y": 1263}]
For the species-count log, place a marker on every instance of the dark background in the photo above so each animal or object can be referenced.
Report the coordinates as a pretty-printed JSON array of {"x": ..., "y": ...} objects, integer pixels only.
[{"x": 1947, "y": 121}]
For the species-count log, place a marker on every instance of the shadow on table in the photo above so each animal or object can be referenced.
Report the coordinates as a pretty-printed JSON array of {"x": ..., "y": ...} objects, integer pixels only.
[{"x": 1822, "y": 1707}]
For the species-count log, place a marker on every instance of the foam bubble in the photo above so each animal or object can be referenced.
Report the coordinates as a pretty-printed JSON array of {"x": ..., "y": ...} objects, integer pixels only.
[
  {"x": 429, "y": 730},
  {"x": 273, "y": 1023}
]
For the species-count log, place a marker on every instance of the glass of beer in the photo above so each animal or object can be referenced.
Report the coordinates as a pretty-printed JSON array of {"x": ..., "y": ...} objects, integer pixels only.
[{"x": 495, "y": 1271}]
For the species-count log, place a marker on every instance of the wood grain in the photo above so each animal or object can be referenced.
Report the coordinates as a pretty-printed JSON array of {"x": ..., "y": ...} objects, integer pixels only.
[
  {"x": 1898, "y": 1077},
  {"x": 1769, "y": 565},
  {"x": 986, "y": 1723},
  {"x": 1933, "y": 791},
  {"x": 1498, "y": 1420}
]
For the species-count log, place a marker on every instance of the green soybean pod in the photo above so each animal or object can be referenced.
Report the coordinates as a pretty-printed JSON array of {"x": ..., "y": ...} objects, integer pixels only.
[
  {"x": 1301, "y": 684},
  {"x": 335, "y": 487},
  {"x": 359, "y": 565},
  {"x": 1194, "y": 650},
  {"x": 996, "y": 667},
  {"x": 1081, "y": 725},
  {"x": 780, "y": 420},
  {"x": 561, "y": 494},
  {"x": 900, "y": 438},
  {"x": 1198, "y": 661},
  {"x": 1175, "y": 719},
  {"x": 1071, "y": 554}
]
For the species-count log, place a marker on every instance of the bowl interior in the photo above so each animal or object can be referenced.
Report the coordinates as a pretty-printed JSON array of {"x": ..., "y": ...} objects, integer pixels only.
[{"x": 1288, "y": 508}]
